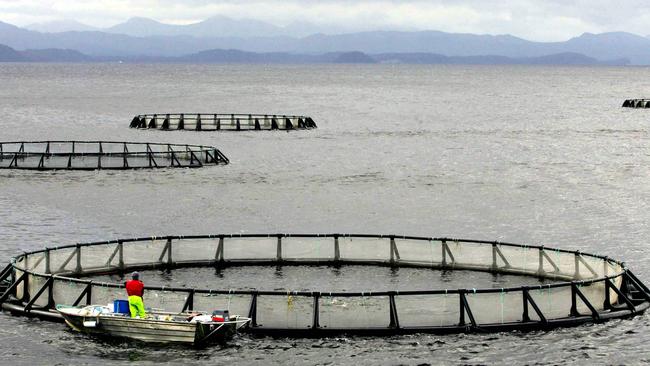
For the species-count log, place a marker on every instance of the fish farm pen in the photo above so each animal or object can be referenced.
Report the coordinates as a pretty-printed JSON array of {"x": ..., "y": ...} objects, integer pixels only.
[
  {"x": 636, "y": 103},
  {"x": 93, "y": 155},
  {"x": 590, "y": 288},
  {"x": 221, "y": 122}
]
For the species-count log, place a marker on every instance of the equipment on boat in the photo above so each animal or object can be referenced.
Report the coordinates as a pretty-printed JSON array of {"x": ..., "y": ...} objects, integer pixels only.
[{"x": 195, "y": 329}]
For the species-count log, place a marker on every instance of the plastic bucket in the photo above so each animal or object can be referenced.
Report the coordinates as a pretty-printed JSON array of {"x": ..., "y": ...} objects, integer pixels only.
[{"x": 121, "y": 307}]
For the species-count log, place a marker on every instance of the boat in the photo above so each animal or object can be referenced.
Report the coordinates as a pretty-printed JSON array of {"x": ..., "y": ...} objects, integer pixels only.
[{"x": 195, "y": 329}]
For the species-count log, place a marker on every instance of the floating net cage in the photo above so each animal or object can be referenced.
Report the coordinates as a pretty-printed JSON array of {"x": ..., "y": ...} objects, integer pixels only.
[
  {"x": 221, "y": 122},
  {"x": 636, "y": 103},
  {"x": 586, "y": 288},
  {"x": 92, "y": 155}
]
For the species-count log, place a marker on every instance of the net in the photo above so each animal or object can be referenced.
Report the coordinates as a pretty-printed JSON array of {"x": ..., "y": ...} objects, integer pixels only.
[
  {"x": 90, "y": 155},
  {"x": 221, "y": 122},
  {"x": 585, "y": 291}
]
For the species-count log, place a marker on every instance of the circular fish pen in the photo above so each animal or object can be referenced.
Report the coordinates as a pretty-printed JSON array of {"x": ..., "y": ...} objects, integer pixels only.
[
  {"x": 636, "y": 103},
  {"x": 112, "y": 155},
  {"x": 221, "y": 122},
  {"x": 584, "y": 288}
]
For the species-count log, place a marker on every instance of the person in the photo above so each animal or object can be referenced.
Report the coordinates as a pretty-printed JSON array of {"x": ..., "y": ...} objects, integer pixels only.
[{"x": 135, "y": 290}]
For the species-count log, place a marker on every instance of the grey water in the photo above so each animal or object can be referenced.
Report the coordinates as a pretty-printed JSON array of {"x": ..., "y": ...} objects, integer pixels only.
[{"x": 538, "y": 155}]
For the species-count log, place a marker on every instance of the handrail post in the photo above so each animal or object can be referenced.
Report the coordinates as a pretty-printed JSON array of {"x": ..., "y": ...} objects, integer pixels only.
[
  {"x": 524, "y": 316},
  {"x": 607, "y": 304},
  {"x": 26, "y": 294},
  {"x": 394, "y": 253},
  {"x": 574, "y": 304},
  {"x": 394, "y": 318},
  {"x": 120, "y": 253},
  {"x": 189, "y": 302},
  {"x": 169, "y": 251},
  {"x": 316, "y": 316},
  {"x": 337, "y": 249},
  {"x": 47, "y": 261},
  {"x": 78, "y": 267},
  {"x": 12, "y": 288},
  {"x": 50, "y": 295},
  {"x": 461, "y": 321},
  {"x": 37, "y": 295},
  {"x": 252, "y": 311},
  {"x": 84, "y": 293}
]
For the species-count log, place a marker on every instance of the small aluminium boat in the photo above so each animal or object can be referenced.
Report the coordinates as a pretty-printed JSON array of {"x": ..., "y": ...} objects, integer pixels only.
[{"x": 186, "y": 328}]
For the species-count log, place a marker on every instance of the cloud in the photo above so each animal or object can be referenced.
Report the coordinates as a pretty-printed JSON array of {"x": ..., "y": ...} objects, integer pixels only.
[{"x": 532, "y": 19}]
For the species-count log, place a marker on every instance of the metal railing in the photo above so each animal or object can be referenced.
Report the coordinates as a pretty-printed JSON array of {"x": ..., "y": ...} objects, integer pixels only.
[
  {"x": 91, "y": 155},
  {"x": 592, "y": 288},
  {"x": 221, "y": 122},
  {"x": 636, "y": 103}
]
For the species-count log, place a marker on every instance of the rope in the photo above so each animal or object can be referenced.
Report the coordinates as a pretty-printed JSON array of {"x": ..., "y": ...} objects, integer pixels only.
[{"x": 289, "y": 301}]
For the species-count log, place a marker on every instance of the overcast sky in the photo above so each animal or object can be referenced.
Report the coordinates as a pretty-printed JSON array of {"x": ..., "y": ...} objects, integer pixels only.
[{"x": 542, "y": 20}]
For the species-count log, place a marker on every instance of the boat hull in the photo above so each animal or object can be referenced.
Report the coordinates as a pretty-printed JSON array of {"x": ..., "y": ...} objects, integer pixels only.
[{"x": 152, "y": 331}]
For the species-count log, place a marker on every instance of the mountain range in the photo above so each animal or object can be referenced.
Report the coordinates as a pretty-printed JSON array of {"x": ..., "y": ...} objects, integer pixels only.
[
  {"x": 221, "y": 25},
  {"x": 8, "y": 54},
  {"x": 144, "y": 38}
]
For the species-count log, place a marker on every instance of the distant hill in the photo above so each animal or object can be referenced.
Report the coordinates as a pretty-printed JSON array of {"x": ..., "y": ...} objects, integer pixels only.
[
  {"x": 59, "y": 26},
  {"x": 567, "y": 58},
  {"x": 237, "y": 56},
  {"x": 222, "y": 26},
  {"x": 214, "y": 27},
  {"x": 8, "y": 54},
  {"x": 609, "y": 46},
  {"x": 354, "y": 57},
  {"x": 618, "y": 45},
  {"x": 55, "y": 55}
]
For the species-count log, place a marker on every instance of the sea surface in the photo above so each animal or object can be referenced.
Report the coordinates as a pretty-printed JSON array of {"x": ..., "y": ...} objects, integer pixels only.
[{"x": 526, "y": 154}]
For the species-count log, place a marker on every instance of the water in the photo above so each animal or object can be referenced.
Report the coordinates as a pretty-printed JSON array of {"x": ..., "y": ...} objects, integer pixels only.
[
  {"x": 351, "y": 278},
  {"x": 523, "y": 154}
]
